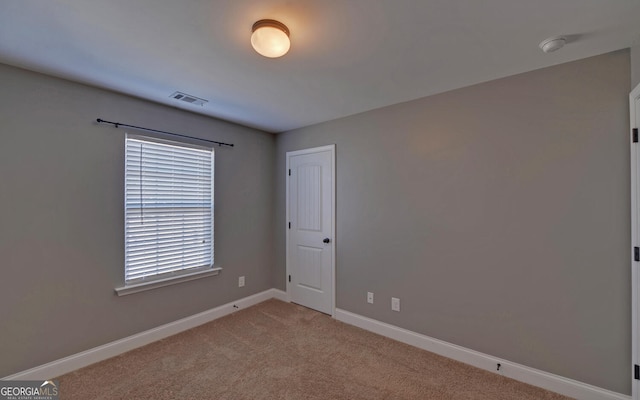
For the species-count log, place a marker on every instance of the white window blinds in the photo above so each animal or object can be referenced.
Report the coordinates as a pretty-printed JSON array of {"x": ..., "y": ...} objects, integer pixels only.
[{"x": 168, "y": 209}]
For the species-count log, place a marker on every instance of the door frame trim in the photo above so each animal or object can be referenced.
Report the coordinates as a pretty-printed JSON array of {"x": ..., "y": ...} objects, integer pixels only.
[
  {"x": 635, "y": 241},
  {"x": 332, "y": 149}
]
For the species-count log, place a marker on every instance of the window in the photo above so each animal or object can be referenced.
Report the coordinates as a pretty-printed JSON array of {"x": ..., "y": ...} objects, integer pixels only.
[{"x": 168, "y": 209}]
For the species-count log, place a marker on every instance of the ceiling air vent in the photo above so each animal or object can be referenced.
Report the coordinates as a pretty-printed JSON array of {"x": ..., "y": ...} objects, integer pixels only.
[{"x": 187, "y": 98}]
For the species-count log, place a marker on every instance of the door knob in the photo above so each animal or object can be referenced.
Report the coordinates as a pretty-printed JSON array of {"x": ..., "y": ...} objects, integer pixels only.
[{"x": 326, "y": 240}]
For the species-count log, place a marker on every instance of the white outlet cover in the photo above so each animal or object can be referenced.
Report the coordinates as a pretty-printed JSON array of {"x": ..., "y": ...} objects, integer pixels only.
[
  {"x": 370, "y": 297},
  {"x": 395, "y": 304},
  {"x": 241, "y": 281}
]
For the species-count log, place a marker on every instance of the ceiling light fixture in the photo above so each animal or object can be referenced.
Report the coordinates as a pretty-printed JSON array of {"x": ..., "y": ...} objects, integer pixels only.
[
  {"x": 552, "y": 44},
  {"x": 270, "y": 38}
]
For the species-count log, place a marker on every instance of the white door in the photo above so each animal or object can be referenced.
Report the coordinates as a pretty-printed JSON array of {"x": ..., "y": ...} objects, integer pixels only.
[
  {"x": 635, "y": 240},
  {"x": 310, "y": 227}
]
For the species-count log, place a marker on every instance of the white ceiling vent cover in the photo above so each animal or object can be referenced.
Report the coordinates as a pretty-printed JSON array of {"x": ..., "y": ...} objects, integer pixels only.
[{"x": 187, "y": 98}]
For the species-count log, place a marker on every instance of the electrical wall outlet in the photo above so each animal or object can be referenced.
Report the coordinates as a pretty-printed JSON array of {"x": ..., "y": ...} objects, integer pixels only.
[
  {"x": 370, "y": 297},
  {"x": 395, "y": 304},
  {"x": 241, "y": 281}
]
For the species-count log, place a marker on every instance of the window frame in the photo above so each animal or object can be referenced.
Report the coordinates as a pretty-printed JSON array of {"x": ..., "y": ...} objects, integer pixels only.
[{"x": 175, "y": 276}]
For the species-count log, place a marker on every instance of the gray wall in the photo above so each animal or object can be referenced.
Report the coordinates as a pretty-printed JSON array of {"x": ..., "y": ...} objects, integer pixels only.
[
  {"x": 61, "y": 219},
  {"x": 635, "y": 66},
  {"x": 498, "y": 213}
]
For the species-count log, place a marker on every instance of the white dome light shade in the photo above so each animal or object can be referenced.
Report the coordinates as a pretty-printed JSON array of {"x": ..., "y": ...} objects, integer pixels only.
[{"x": 270, "y": 38}]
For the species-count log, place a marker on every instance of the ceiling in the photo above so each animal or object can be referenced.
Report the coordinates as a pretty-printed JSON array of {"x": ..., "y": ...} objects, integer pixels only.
[{"x": 347, "y": 56}]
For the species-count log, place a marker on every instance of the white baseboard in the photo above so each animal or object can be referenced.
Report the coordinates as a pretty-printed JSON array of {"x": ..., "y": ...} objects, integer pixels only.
[
  {"x": 279, "y": 295},
  {"x": 100, "y": 353},
  {"x": 532, "y": 376}
]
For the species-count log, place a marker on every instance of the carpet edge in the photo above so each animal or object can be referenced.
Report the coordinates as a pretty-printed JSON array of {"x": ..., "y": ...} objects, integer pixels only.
[
  {"x": 519, "y": 372},
  {"x": 91, "y": 356}
]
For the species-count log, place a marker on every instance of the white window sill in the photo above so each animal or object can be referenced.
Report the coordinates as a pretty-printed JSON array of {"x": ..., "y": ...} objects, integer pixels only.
[{"x": 142, "y": 286}]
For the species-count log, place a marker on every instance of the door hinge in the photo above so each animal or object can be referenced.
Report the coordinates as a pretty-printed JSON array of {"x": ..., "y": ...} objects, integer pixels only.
[
  {"x": 289, "y": 171},
  {"x": 636, "y": 254},
  {"x": 290, "y": 281},
  {"x": 635, "y": 136},
  {"x": 289, "y": 225},
  {"x": 636, "y": 372}
]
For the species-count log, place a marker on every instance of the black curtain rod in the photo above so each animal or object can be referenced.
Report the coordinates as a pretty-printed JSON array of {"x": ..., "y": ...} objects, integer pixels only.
[{"x": 119, "y": 124}]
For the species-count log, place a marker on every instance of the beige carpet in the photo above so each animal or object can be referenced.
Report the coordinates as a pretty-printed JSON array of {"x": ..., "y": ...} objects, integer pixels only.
[{"x": 277, "y": 350}]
